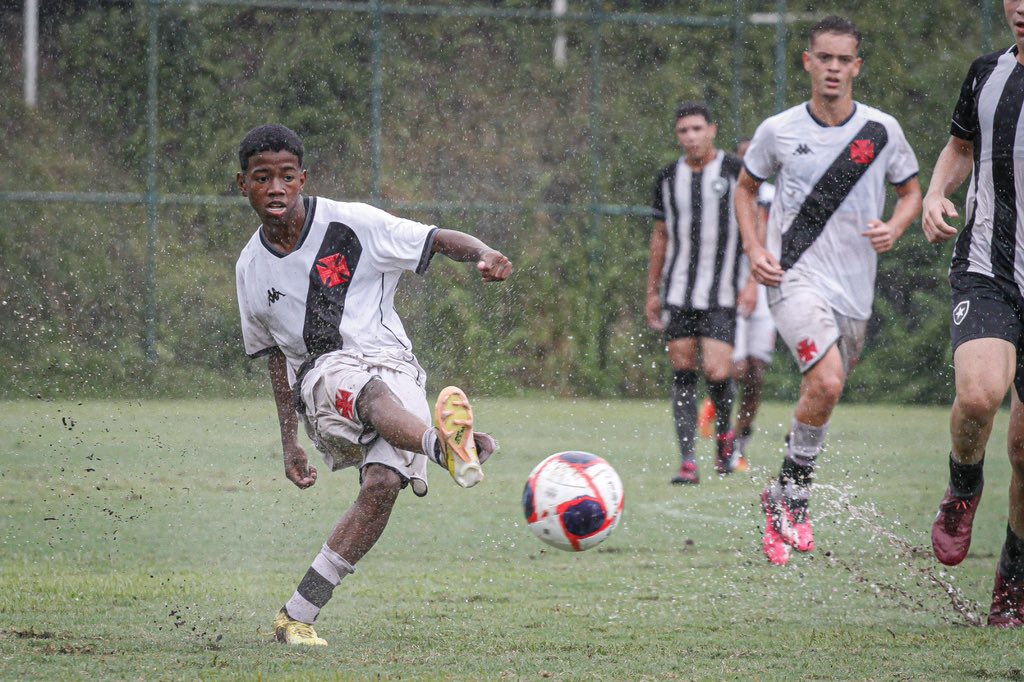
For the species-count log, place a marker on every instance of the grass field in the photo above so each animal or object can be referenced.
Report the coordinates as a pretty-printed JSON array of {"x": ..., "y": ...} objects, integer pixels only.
[{"x": 156, "y": 540}]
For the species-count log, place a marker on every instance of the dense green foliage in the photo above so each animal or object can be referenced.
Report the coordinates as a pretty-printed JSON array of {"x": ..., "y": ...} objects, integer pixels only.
[
  {"x": 155, "y": 540},
  {"x": 473, "y": 111}
]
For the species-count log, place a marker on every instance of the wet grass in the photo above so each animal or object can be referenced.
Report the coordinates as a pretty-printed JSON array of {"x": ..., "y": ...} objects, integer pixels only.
[{"x": 156, "y": 540}]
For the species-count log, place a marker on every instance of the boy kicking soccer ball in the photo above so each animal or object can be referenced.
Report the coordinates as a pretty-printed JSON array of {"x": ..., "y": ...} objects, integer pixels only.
[{"x": 316, "y": 286}]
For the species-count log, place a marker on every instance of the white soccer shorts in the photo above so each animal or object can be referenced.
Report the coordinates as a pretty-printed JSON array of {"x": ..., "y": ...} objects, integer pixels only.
[
  {"x": 330, "y": 390},
  {"x": 755, "y": 338},
  {"x": 809, "y": 325}
]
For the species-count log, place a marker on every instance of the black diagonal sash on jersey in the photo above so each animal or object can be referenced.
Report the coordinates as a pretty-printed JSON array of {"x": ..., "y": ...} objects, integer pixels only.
[
  {"x": 830, "y": 191},
  {"x": 329, "y": 278}
]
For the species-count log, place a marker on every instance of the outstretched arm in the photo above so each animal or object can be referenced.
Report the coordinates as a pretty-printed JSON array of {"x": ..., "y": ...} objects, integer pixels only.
[
  {"x": 883, "y": 235},
  {"x": 465, "y": 248},
  {"x": 953, "y": 166},
  {"x": 296, "y": 464}
]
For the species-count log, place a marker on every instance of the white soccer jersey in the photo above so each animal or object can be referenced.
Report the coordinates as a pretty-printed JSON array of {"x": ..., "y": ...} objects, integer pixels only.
[
  {"x": 701, "y": 268},
  {"x": 830, "y": 181},
  {"x": 989, "y": 115},
  {"x": 336, "y": 289}
]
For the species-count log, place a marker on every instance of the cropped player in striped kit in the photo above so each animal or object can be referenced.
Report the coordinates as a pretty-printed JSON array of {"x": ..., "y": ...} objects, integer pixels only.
[{"x": 987, "y": 323}]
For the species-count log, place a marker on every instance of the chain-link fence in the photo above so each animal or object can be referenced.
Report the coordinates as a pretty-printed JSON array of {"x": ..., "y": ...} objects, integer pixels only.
[{"x": 536, "y": 126}]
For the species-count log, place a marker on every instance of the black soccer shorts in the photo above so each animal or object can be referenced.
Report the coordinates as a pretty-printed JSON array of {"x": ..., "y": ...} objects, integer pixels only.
[
  {"x": 717, "y": 323},
  {"x": 983, "y": 307}
]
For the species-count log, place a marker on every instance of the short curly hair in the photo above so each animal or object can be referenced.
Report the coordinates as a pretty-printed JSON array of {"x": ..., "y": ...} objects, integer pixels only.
[
  {"x": 694, "y": 109},
  {"x": 272, "y": 137},
  {"x": 834, "y": 24}
]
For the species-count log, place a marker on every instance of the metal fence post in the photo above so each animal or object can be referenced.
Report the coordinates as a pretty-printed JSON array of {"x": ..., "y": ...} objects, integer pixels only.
[
  {"x": 780, "y": 56},
  {"x": 151, "y": 182},
  {"x": 376, "y": 99}
]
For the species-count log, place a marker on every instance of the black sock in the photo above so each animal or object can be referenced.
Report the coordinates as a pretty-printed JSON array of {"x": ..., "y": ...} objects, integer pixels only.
[
  {"x": 1011, "y": 561},
  {"x": 721, "y": 393},
  {"x": 795, "y": 480},
  {"x": 684, "y": 410},
  {"x": 965, "y": 480}
]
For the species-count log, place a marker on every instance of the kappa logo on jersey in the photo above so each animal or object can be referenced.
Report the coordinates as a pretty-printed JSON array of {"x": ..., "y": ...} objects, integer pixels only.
[
  {"x": 273, "y": 296},
  {"x": 807, "y": 350},
  {"x": 960, "y": 312},
  {"x": 802, "y": 149},
  {"x": 862, "y": 151},
  {"x": 346, "y": 404},
  {"x": 333, "y": 270},
  {"x": 719, "y": 186}
]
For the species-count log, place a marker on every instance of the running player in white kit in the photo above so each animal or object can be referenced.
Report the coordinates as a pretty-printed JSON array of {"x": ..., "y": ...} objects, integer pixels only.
[
  {"x": 316, "y": 286},
  {"x": 832, "y": 158}
]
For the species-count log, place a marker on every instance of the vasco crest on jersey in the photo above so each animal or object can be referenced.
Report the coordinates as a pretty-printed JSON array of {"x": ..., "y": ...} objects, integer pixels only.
[{"x": 862, "y": 151}]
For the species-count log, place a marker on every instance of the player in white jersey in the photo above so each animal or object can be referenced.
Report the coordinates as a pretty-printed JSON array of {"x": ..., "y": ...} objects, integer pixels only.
[
  {"x": 316, "y": 286},
  {"x": 755, "y": 336},
  {"x": 693, "y": 277},
  {"x": 831, "y": 158},
  {"x": 987, "y": 322}
]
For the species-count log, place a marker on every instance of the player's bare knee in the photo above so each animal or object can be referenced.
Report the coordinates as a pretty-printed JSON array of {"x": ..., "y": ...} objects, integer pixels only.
[
  {"x": 1015, "y": 449},
  {"x": 716, "y": 375},
  {"x": 380, "y": 486},
  {"x": 375, "y": 398},
  {"x": 978, "y": 404},
  {"x": 825, "y": 387}
]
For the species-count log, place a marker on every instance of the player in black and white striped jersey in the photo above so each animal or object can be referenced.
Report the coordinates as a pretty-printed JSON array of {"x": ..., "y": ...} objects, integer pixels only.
[
  {"x": 987, "y": 321},
  {"x": 693, "y": 279}
]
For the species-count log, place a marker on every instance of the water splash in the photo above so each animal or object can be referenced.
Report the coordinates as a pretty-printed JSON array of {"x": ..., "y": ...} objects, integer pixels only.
[{"x": 918, "y": 559}]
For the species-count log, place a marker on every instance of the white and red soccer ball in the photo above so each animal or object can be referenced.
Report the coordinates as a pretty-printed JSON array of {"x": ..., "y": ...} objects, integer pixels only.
[{"x": 573, "y": 500}]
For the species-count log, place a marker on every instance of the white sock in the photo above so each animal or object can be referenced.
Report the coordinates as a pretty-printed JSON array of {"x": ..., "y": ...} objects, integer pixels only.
[
  {"x": 318, "y": 585},
  {"x": 432, "y": 449}
]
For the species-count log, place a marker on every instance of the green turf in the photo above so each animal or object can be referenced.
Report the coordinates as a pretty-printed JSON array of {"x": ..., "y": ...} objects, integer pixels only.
[{"x": 156, "y": 540}]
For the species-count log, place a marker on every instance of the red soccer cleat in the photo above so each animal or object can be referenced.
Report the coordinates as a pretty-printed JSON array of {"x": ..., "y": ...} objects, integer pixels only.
[
  {"x": 776, "y": 530},
  {"x": 951, "y": 532},
  {"x": 1007, "y": 609},
  {"x": 723, "y": 459},
  {"x": 687, "y": 475},
  {"x": 803, "y": 531}
]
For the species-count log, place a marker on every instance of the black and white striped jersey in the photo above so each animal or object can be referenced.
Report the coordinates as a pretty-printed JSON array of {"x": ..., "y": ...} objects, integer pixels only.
[
  {"x": 988, "y": 114},
  {"x": 830, "y": 181},
  {"x": 336, "y": 289},
  {"x": 701, "y": 268}
]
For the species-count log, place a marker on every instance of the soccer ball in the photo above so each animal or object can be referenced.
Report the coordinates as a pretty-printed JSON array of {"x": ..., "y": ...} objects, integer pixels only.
[{"x": 573, "y": 500}]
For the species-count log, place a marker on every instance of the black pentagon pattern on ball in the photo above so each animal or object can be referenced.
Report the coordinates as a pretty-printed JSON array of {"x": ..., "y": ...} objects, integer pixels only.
[
  {"x": 583, "y": 516},
  {"x": 528, "y": 508},
  {"x": 579, "y": 457}
]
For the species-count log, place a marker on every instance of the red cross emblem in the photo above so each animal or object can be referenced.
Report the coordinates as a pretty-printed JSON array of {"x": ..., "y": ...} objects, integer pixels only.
[
  {"x": 862, "y": 151},
  {"x": 333, "y": 270},
  {"x": 807, "y": 350},
  {"x": 346, "y": 404}
]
